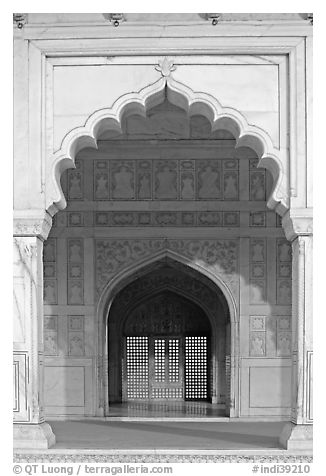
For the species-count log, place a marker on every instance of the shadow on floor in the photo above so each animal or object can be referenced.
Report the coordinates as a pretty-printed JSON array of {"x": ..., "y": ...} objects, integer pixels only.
[{"x": 166, "y": 435}]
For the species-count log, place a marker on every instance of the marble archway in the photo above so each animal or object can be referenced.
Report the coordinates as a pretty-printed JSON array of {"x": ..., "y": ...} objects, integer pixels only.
[
  {"x": 161, "y": 345},
  {"x": 168, "y": 271}
]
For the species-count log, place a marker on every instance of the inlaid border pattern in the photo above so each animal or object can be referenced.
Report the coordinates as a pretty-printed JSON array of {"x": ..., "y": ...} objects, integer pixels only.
[{"x": 164, "y": 458}]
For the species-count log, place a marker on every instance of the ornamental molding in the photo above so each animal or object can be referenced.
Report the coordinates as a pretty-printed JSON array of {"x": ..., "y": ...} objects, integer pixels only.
[
  {"x": 163, "y": 457},
  {"x": 165, "y": 67},
  {"x": 298, "y": 222},
  {"x": 20, "y": 19},
  {"x": 115, "y": 18},
  {"x": 213, "y": 17},
  {"x": 38, "y": 226}
]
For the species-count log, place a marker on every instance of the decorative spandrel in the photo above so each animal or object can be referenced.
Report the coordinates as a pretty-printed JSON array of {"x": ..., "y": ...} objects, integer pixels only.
[{"x": 219, "y": 256}]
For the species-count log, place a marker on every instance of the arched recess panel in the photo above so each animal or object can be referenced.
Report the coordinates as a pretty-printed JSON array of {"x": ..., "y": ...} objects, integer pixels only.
[{"x": 168, "y": 340}]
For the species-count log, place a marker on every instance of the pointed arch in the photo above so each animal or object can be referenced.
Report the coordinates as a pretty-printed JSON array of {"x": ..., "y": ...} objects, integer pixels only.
[
  {"x": 142, "y": 268},
  {"x": 194, "y": 103}
]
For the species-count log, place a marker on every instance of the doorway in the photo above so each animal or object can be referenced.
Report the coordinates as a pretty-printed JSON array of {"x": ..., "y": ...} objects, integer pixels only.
[{"x": 169, "y": 345}]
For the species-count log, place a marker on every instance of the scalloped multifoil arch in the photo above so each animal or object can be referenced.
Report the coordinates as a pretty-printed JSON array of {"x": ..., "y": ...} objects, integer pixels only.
[{"x": 194, "y": 103}]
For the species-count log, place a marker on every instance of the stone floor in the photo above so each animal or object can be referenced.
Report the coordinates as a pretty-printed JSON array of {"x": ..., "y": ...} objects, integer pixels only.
[
  {"x": 162, "y": 410},
  {"x": 164, "y": 441},
  {"x": 141, "y": 435}
]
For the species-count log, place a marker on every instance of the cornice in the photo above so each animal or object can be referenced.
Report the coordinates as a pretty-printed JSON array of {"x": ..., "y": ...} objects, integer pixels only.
[
  {"x": 99, "y": 43},
  {"x": 259, "y": 29}
]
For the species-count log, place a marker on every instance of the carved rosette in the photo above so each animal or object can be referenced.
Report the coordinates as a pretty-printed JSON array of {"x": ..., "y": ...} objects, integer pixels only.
[{"x": 220, "y": 257}]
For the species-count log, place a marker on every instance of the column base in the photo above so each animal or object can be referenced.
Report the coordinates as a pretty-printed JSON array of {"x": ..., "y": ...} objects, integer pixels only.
[
  {"x": 297, "y": 437},
  {"x": 32, "y": 436}
]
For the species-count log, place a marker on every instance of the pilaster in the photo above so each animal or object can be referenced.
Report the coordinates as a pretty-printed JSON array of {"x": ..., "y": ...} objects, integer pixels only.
[
  {"x": 30, "y": 429},
  {"x": 298, "y": 229}
]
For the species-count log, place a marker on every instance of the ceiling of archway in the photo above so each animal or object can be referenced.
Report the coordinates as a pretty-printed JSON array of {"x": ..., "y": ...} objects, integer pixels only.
[
  {"x": 190, "y": 284},
  {"x": 166, "y": 313},
  {"x": 163, "y": 122}
]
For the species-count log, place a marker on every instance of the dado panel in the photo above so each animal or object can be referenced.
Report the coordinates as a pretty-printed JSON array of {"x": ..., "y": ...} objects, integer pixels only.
[
  {"x": 265, "y": 387},
  {"x": 68, "y": 387}
]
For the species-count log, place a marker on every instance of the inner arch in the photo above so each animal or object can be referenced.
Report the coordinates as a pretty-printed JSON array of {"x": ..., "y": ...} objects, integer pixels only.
[{"x": 173, "y": 320}]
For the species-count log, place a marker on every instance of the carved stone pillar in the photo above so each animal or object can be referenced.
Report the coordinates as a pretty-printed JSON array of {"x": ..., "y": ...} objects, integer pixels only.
[
  {"x": 30, "y": 429},
  {"x": 297, "y": 434}
]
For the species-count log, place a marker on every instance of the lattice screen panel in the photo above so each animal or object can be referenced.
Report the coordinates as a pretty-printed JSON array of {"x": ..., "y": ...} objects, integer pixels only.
[
  {"x": 228, "y": 378},
  {"x": 159, "y": 360},
  {"x": 172, "y": 393},
  {"x": 137, "y": 367},
  {"x": 174, "y": 360},
  {"x": 196, "y": 368}
]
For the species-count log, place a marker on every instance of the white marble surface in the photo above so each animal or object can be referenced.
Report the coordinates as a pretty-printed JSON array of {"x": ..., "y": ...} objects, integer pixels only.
[{"x": 45, "y": 113}]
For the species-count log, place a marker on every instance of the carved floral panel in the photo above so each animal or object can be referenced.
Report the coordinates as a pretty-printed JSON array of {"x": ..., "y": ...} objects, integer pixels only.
[
  {"x": 284, "y": 272},
  {"x": 162, "y": 179},
  {"x": 75, "y": 270},
  {"x": 168, "y": 218},
  {"x": 257, "y": 271},
  {"x": 76, "y": 181},
  {"x": 257, "y": 181},
  {"x": 257, "y": 344},
  {"x": 76, "y": 336}
]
